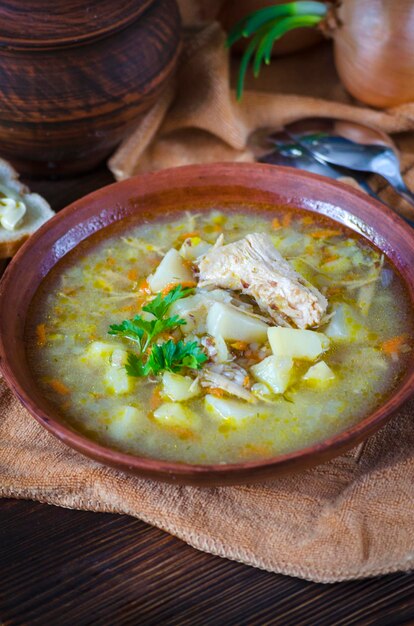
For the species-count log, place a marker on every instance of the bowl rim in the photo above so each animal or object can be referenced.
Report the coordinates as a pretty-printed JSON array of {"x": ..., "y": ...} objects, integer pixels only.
[{"x": 167, "y": 470}]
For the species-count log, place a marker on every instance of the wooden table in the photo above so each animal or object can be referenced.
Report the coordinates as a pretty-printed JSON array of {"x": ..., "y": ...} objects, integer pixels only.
[{"x": 62, "y": 567}]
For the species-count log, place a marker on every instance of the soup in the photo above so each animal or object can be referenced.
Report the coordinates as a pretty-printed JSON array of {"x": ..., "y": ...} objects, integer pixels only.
[{"x": 220, "y": 337}]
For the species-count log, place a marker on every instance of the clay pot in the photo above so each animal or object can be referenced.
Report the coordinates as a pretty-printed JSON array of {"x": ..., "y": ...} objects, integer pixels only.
[{"x": 76, "y": 76}]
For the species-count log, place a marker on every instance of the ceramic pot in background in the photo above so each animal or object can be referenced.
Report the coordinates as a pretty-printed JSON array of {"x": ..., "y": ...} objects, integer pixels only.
[{"x": 75, "y": 77}]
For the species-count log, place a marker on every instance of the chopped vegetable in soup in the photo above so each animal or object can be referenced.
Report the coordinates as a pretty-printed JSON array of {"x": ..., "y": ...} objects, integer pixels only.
[{"x": 220, "y": 337}]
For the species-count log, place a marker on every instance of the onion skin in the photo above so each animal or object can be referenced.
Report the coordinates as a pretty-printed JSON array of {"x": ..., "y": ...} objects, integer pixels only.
[
  {"x": 374, "y": 50},
  {"x": 234, "y": 10}
]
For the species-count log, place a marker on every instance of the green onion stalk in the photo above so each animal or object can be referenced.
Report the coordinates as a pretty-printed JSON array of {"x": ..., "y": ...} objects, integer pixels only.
[{"x": 266, "y": 26}]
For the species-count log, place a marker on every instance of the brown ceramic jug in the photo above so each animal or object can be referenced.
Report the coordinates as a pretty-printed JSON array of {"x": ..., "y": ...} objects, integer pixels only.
[{"x": 76, "y": 75}]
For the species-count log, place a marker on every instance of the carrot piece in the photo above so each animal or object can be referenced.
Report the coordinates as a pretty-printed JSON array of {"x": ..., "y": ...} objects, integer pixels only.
[
  {"x": 276, "y": 223},
  {"x": 182, "y": 433},
  {"x": 213, "y": 228},
  {"x": 110, "y": 261},
  {"x": 286, "y": 220},
  {"x": 330, "y": 257},
  {"x": 189, "y": 264},
  {"x": 144, "y": 286},
  {"x": 308, "y": 219},
  {"x": 41, "y": 335},
  {"x": 133, "y": 274},
  {"x": 255, "y": 449},
  {"x": 59, "y": 387},
  {"x": 215, "y": 391},
  {"x": 195, "y": 233},
  {"x": 135, "y": 306},
  {"x": 127, "y": 307},
  {"x": 325, "y": 234},
  {"x": 246, "y": 381},
  {"x": 393, "y": 345},
  {"x": 155, "y": 400},
  {"x": 240, "y": 345},
  {"x": 185, "y": 284}
]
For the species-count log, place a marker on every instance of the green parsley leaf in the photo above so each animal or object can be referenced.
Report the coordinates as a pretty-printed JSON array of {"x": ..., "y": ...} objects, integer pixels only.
[
  {"x": 166, "y": 357},
  {"x": 155, "y": 358},
  {"x": 160, "y": 304},
  {"x": 172, "y": 357},
  {"x": 138, "y": 328},
  {"x": 135, "y": 366},
  {"x": 129, "y": 329}
]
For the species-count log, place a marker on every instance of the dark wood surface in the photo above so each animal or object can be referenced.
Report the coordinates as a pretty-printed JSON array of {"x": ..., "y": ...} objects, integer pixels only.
[{"x": 61, "y": 567}]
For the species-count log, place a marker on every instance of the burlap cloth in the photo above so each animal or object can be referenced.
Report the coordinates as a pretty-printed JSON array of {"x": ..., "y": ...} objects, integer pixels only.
[{"x": 350, "y": 518}]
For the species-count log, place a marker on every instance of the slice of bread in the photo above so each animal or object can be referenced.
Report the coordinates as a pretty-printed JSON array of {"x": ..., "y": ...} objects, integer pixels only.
[{"x": 38, "y": 211}]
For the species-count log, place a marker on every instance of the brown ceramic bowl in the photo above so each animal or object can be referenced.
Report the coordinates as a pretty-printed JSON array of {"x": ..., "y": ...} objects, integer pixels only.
[{"x": 195, "y": 188}]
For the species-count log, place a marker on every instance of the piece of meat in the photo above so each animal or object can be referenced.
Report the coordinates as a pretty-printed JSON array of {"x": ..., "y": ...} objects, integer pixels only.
[
  {"x": 253, "y": 266},
  {"x": 229, "y": 377}
]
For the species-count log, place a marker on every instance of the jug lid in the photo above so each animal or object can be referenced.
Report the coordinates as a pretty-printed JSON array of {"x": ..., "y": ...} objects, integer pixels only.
[{"x": 62, "y": 23}]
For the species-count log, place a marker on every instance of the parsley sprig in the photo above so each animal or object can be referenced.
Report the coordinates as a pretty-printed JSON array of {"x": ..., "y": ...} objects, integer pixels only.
[
  {"x": 167, "y": 357},
  {"x": 154, "y": 358}
]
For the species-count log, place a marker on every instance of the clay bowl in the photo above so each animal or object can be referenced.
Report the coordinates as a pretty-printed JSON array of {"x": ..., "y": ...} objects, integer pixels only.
[
  {"x": 76, "y": 77},
  {"x": 196, "y": 188}
]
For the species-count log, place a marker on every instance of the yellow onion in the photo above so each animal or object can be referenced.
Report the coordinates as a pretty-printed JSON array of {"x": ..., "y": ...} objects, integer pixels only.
[
  {"x": 374, "y": 50},
  {"x": 373, "y": 43}
]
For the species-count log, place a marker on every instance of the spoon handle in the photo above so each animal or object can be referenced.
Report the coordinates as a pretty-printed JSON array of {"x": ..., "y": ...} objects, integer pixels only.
[
  {"x": 407, "y": 216},
  {"x": 405, "y": 193},
  {"x": 385, "y": 163},
  {"x": 398, "y": 184}
]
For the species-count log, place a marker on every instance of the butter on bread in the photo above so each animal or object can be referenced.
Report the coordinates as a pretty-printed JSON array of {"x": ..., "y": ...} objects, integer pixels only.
[{"x": 21, "y": 212}]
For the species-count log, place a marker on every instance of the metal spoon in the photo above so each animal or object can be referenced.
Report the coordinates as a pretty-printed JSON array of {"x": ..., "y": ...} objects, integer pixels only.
[
  {"x": 354, "y": 146},
  {"x": 293, "y": 154}
]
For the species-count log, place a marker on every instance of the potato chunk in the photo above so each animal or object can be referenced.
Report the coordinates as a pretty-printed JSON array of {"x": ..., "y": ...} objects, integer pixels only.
[
  {"x": 192, "y": 310},
  {"x": 223, "y": 354},
  {"x": 320, "y": 373},
  {"x": 125, "y": 423},
  {"x": 232, "y": 324},
  {"x": 297, "y": 344},
  {"x": 172, "y": 269},
  {"x": 119, "y": 357},
  {"x": 117, "y": 381},
  {"x": 174, "y": 414},
  {"x": 194, "y": 247},
  {"x": 223, "y": 408},
  {"x": 346, "y": 325},
  {"x": 178, "y": 387},
  {"x": 98, "y": 352},
  {"x": 275, "y": 372}
]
